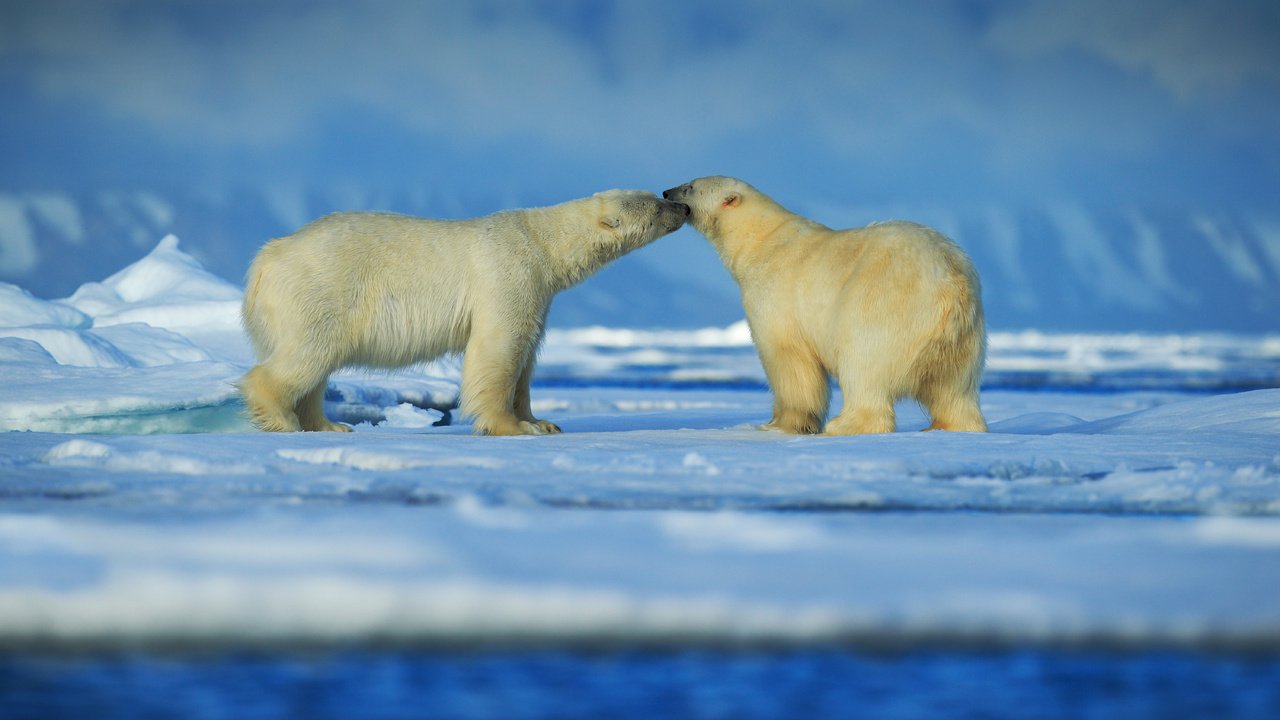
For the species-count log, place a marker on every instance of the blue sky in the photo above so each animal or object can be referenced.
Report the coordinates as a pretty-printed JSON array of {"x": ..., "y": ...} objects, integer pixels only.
[{"x": 1152, "y": 102}]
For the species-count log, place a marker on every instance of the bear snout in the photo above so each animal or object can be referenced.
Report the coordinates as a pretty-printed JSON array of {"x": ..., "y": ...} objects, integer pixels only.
[
  {"x": 675, "y": 213},
  {"x": 675, "y": 192}
]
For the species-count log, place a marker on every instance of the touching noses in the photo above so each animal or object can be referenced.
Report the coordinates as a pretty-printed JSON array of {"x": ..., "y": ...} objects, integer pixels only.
[{"x": 678, "y": 192}]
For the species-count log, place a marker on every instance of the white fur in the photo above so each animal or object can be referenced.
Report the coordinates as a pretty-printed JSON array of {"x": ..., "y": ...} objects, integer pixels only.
[
  {"x": 384, "y": 290},
  {"x": 891, "y": 310}
]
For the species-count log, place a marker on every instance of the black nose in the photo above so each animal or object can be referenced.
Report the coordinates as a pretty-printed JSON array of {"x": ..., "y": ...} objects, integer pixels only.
[{"x": 666, "y": 194}]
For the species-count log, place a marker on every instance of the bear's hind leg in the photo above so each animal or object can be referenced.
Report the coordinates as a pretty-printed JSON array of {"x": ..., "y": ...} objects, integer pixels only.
[
  {"x": 310, "y": 411},
  {"x": 270, "y": 402},
  {"x": 953, "y": 409},
  {"x": 948, "y": 389}
]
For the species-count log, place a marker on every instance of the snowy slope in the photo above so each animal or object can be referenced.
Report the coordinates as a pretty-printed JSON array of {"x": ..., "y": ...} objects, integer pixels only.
[
  {"x": 1146, "y": 515},
  {"x": 1058, "y": 265}
]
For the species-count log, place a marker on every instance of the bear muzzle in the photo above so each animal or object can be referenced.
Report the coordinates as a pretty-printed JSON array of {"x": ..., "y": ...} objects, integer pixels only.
[
  {"x": 675, "y": 213},
  {"x": 677, "y": 193}
]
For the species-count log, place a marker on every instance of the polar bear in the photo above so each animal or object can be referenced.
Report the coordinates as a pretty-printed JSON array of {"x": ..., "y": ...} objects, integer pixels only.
[
  {"x": 891, "y": 310},
  {"x": 386, "y": 290}
]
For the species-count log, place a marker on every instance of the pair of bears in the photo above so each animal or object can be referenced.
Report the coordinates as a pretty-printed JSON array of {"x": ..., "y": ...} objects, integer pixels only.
[{"x": 892, "y": 310}]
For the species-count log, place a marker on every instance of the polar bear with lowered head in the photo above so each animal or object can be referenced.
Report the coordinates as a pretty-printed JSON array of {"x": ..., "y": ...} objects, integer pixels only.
[
  {"x": 385, "y": 290},
  {"x": 891, "y": 310}
]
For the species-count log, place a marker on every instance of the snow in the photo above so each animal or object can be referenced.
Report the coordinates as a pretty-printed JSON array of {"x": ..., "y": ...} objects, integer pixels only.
[
  {"x": 1128, "y": 494},
  {"x": 169, "y": 289},
  {"x": 18, "y": 308}
]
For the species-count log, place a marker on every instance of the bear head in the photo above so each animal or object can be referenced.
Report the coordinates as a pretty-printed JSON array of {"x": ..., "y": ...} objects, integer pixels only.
[
  {"x": 717, "y": 203},
  {"x": 638, "y": 217},
  {"x": 620, "y": 221}
]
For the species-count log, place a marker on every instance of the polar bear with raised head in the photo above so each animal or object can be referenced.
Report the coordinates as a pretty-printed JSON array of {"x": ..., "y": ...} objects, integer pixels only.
[
  {"x": 384, "y": 290},
  {"x": 891, "y": 310}
]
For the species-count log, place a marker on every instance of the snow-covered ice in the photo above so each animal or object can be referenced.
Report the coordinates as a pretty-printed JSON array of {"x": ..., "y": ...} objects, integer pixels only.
[{"x": 1128, "y": 494}]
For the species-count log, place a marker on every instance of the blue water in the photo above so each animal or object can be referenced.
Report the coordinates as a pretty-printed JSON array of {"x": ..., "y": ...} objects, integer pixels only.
[{"x": 805, "y": 683}]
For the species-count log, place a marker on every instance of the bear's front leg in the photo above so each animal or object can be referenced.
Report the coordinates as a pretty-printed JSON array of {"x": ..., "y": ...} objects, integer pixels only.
[
  {"x": 523, "y": 404},
  {"x": 799, "y": 384},
  {"x": 491, "y": 370}
]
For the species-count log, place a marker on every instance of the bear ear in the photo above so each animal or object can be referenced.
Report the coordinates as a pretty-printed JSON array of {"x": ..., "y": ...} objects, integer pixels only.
[
  {"x": 612, "y": 222},
  {"x": 731, "y": 200}
]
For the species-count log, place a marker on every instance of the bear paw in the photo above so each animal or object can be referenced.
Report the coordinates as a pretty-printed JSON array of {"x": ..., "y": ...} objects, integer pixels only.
[
  {"x": 517, "y": 427},
  {"x": 860, "y": 423},
  {"x": 546, "y": 427},
  {"x": 794, "y": 424}
]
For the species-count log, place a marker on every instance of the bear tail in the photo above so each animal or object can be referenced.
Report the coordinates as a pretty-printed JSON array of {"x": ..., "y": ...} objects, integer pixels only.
[{"x": 251, "y": 311}]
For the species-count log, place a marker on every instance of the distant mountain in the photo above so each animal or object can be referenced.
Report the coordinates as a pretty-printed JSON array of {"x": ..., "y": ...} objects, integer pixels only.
[{"x": 1054, "y": 266}]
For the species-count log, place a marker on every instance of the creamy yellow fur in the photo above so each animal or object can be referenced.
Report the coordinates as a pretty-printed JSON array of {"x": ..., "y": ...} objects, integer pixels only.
[
  {"x": 891, "y": 310},
  {"x": 384, "y": 290}
]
